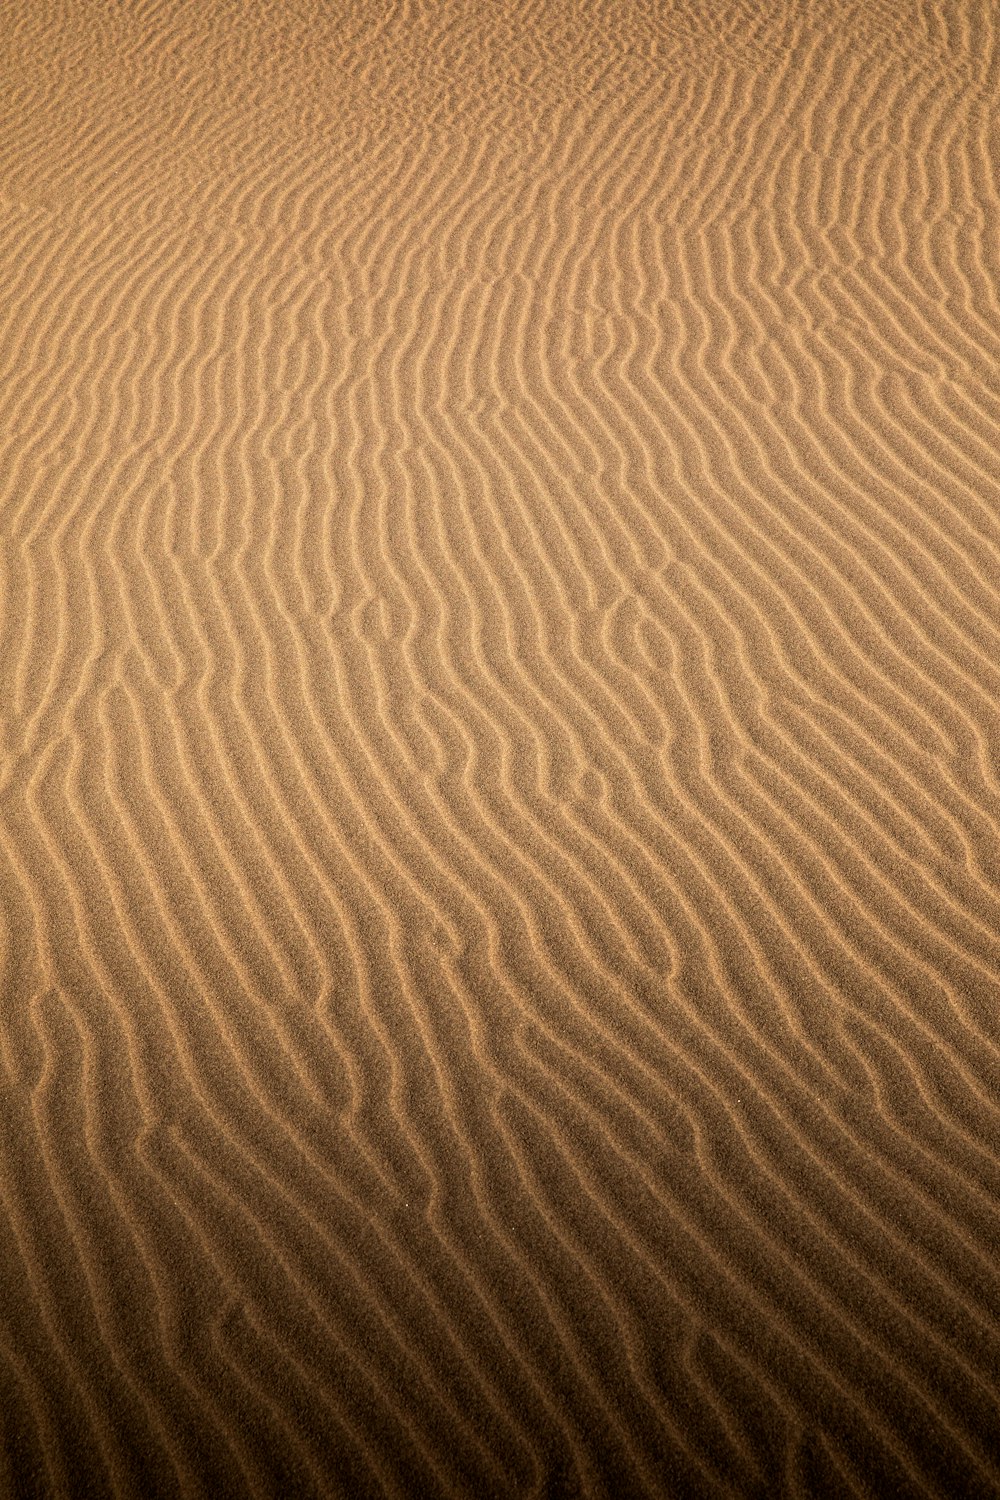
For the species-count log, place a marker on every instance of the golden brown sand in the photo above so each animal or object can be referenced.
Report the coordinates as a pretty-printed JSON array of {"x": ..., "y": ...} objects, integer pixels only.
[{"x": 500, "y": 689}]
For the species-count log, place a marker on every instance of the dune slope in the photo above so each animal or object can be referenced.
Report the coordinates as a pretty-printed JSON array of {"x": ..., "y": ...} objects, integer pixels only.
[{"x": 500, "y": 765}]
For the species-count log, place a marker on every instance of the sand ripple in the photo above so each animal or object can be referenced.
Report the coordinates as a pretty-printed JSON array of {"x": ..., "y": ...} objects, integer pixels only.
[{"x": 500, "y": 768}]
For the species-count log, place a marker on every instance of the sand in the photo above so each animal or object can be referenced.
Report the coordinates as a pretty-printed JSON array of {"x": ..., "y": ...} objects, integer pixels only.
[{"x": 500, "y": 767}]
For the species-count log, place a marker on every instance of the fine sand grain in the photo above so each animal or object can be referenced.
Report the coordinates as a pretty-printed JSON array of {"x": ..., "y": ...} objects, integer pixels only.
[{"x": 500, "y": 764}]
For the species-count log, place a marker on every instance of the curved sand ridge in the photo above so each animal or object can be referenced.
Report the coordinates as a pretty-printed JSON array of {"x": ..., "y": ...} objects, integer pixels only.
[{"x": 501, "y": 709}]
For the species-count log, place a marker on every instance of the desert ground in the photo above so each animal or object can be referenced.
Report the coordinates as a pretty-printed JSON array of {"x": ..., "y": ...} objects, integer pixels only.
[{"x": 499, "y": 748}]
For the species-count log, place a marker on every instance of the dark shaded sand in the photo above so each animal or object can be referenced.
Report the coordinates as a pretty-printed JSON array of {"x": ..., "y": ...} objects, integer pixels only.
[{"x": 500, "y": 778}]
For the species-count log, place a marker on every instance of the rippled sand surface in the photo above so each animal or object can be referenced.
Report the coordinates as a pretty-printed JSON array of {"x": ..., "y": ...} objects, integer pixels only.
[{"x": 500, "y": 763}]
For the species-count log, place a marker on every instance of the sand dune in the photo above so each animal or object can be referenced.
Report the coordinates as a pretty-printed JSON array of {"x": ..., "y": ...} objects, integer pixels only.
[{"x": 500, "y": 779}]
